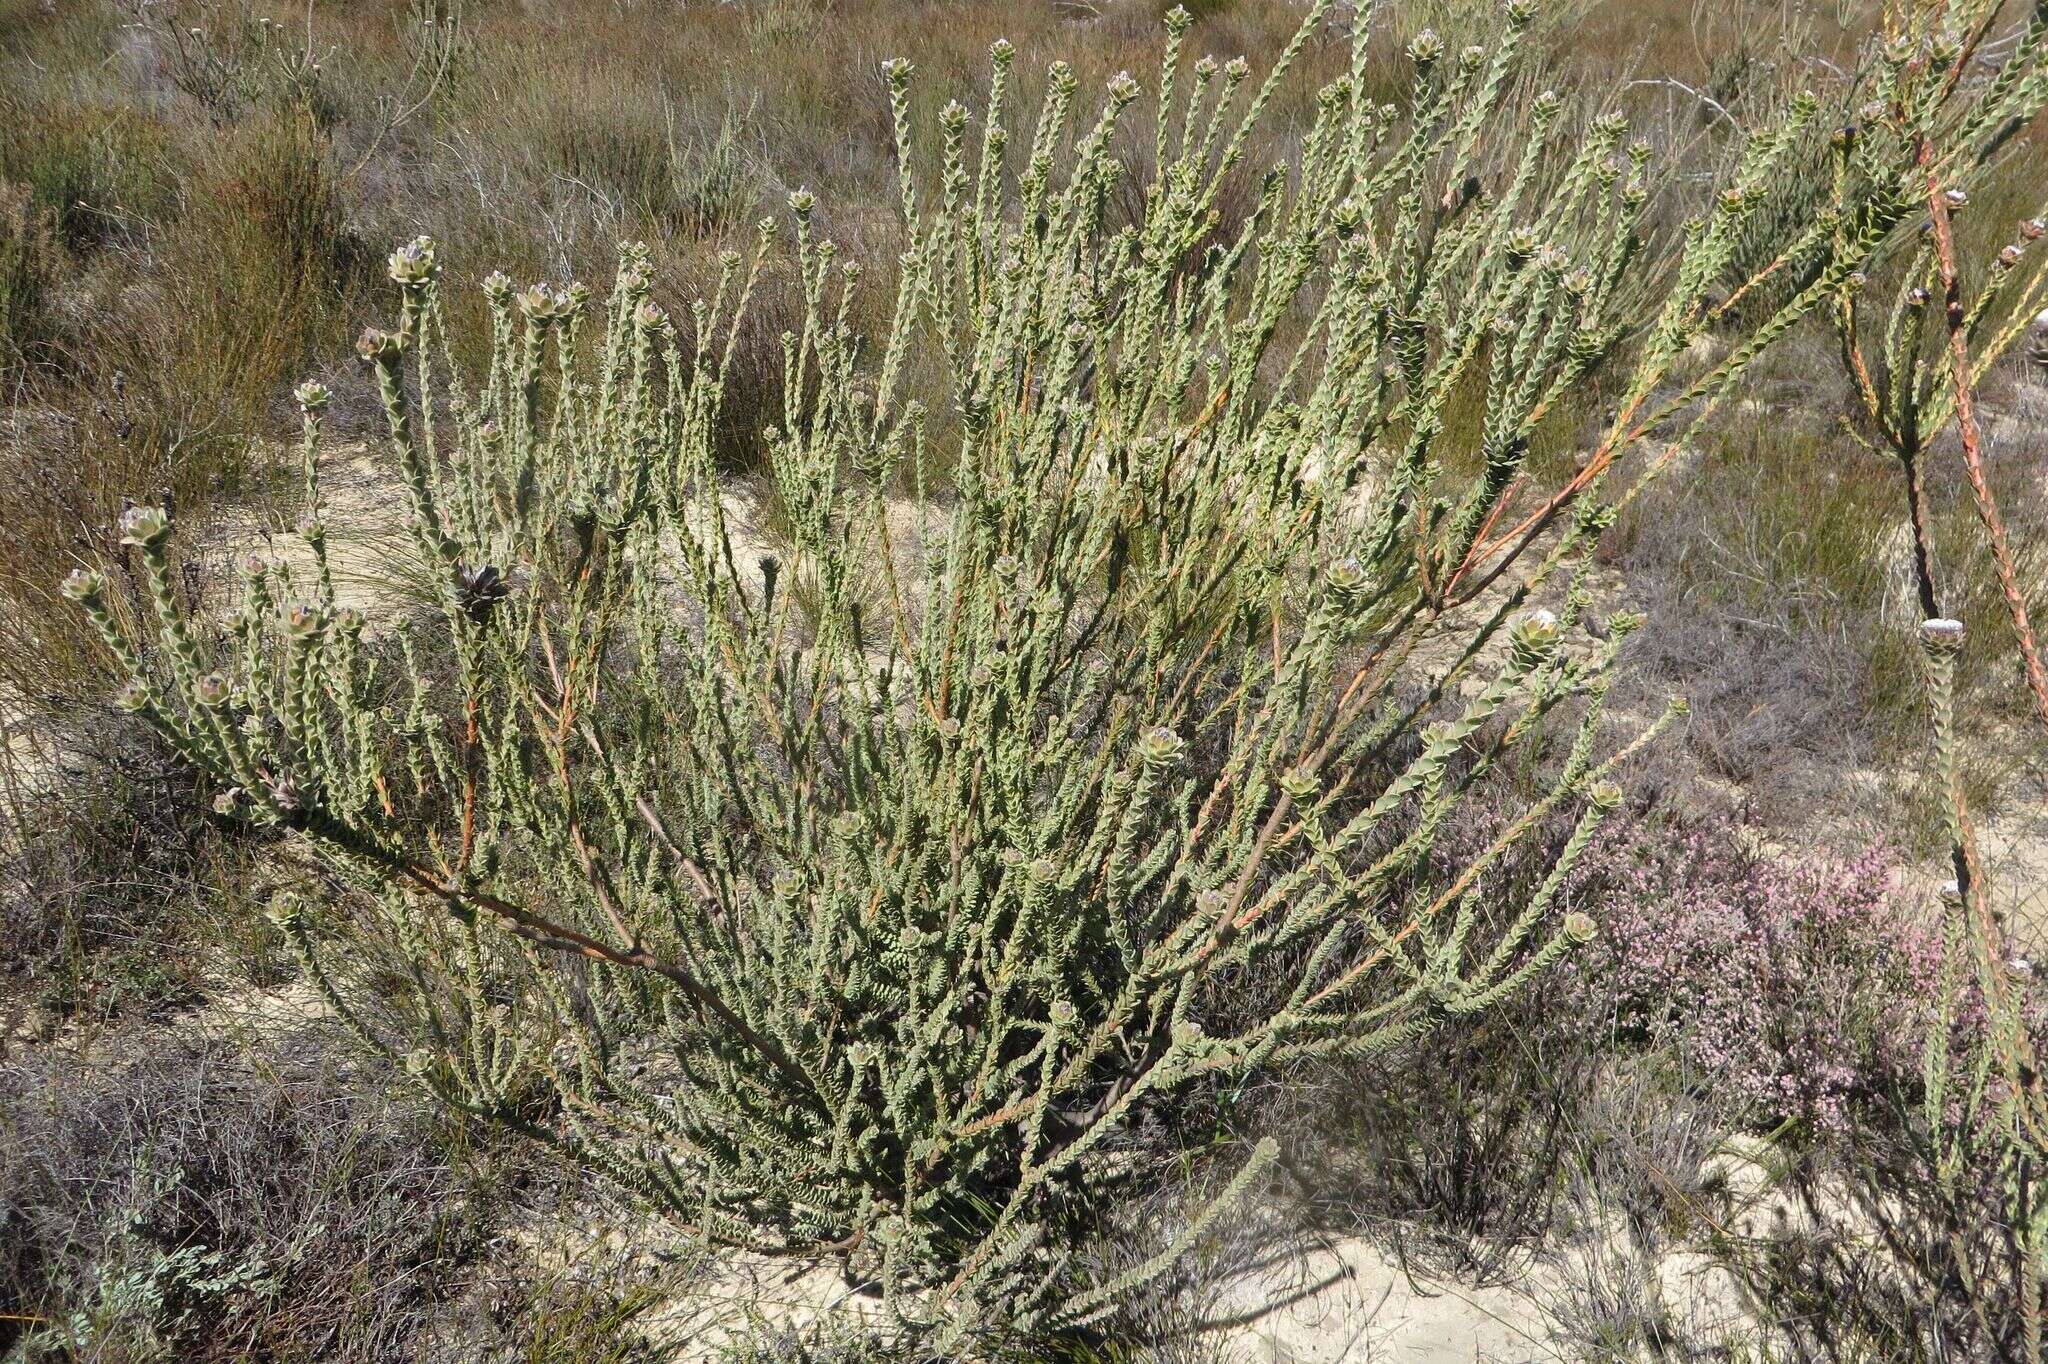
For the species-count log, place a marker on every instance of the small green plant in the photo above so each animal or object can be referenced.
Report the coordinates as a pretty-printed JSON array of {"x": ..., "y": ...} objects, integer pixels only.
[
  {"x": 714, "y": 181},
  {"x": 855, "y": 899},
  {"x": 138, "y": 1300}
]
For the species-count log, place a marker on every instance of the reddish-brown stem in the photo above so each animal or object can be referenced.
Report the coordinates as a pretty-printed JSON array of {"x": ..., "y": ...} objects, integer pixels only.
[
  {"x": 1972, "y": 437},
  {"x": 2019, "y": 1059}
]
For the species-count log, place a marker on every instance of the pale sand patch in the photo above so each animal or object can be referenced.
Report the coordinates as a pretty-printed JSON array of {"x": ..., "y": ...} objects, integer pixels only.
[
  {"x": 364, "y": 505},
  {"x": 2014, "y": 846},
  {"x": 1346, "y": 1300}
]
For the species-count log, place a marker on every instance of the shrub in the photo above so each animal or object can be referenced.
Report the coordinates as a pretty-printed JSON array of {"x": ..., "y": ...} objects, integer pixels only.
[
  {"x": 1924, "y": 1238},
  {"x": 1801, "y": 989},
  {"x": 122, "y": 894},
  {"x": 197, "y": 1203},
  {"x": 1781, "y": 998},
  {"x": 1952, "y": 1183},
  {"x": 99, "y": 171},
  {"x": 262, "y": 265},
  {"x": 855, "y": 900},
  {"x": 225, "y": 57},
  {"x": 1913, "y": 1234}
]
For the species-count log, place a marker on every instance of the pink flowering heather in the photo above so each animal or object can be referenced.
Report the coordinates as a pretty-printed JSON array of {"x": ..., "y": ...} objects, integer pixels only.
[{"x": 1801, "y": 986}]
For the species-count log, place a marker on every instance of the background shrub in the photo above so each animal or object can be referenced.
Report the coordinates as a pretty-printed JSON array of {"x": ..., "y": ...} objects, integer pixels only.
[
  {"x": 121, "y": 894},
  {"x": 193, "y": 1202}
]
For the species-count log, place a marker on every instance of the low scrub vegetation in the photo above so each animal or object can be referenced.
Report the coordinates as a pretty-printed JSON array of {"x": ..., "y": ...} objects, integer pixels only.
[{"x": 214, "y": 1200}]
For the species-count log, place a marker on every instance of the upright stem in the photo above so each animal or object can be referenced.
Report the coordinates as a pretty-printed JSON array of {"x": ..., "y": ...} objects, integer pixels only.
[
  {"x": 1972, "y": 437},
  {"x": 1917, "y": 519}
]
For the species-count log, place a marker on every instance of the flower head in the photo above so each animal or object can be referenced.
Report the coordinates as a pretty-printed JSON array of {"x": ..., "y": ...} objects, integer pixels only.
[
  {"x": 286, "y": 793},
  {"x": 378, "y": 346},
  {"x": 1300, "y": 783},
  {"x": 413, "y": 264},
  {"x": 84, "y": 584},
  {"x": 1347, "y": 577},
  {"x": 1533, "y": 639},
  {"x": 543, "y": 304},
  {"x": 144, "y": 526},
  {"x": 1942, "y": 635},
  {"x": 1160, "y": 747},
  {"x": 304, "y": 621},
  {"x": 478, "y": 590}
]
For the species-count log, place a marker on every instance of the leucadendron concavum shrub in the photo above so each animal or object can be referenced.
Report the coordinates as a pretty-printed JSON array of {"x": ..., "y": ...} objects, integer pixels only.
[{"x": 853, "y": 901}]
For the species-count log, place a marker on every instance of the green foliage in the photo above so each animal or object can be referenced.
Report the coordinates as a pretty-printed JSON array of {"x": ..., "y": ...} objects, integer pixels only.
[
  {"x": 855, "y": 900},
  {"x": 99, "y": 170},
  {"x": 142, "y": 1295},
  {"x": 714, "y": 181}
]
